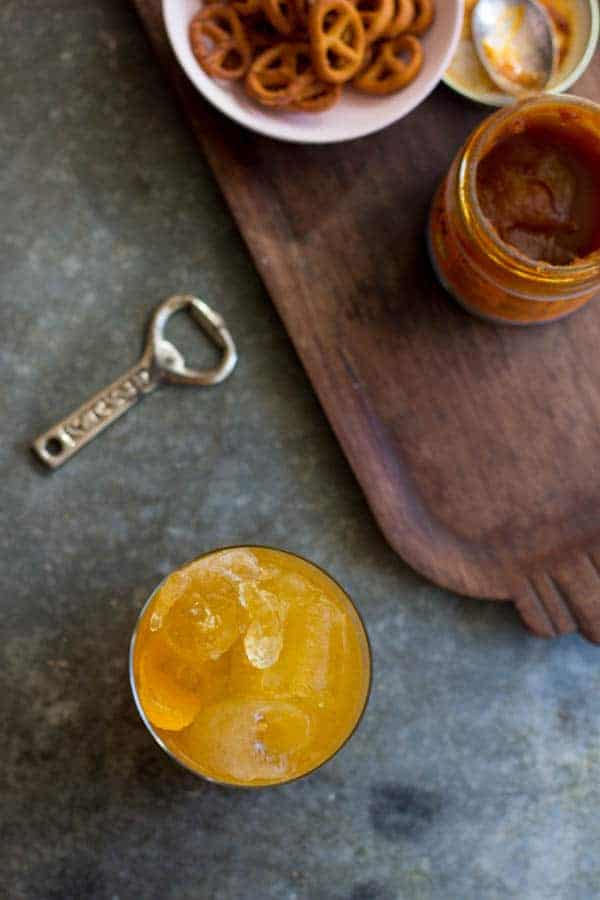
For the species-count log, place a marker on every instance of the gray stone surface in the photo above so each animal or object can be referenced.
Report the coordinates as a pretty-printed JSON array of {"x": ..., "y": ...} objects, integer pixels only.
[{"x": 476, "y": 771}]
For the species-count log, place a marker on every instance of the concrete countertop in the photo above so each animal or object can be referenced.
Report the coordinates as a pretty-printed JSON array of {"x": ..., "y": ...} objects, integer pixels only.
[{"x": 476, "y": 772}]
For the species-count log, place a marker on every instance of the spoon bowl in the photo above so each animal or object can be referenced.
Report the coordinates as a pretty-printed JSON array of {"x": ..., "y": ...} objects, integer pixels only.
[{"x": 516, "y": 44}]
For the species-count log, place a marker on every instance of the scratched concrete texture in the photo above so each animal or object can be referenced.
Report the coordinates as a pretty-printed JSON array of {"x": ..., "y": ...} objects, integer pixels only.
[{"x": 476, "y": 771}]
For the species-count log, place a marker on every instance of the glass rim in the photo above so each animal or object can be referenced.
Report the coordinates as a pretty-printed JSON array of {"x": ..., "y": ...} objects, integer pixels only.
[
  {"x": 151, "y": 729},
  {"x": 500, "y": 252}
]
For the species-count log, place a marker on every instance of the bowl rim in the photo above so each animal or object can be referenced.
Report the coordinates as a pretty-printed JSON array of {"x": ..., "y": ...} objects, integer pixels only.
[
  {"x": 498, "y": 99},
  {"x": 248, "y": 120},
  {"x": 157, "y": 738}
]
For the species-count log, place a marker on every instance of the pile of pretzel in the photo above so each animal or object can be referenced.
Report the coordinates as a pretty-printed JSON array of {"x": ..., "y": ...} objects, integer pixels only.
[{"x": 298, "y": 54}]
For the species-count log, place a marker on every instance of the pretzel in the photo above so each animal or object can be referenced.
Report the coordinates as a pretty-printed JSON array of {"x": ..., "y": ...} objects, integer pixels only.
[
  {"x": 402, "y": 17},
  {"x": 219, "y": 42},
  {"x": 389, "y": 70},
  {"x": 372, "y": 43},
  {"x": 302, "y": 8},
  {"x": 281, "y": 14},
  {"x": 317, "y": 96},
  {"x": 279, "y": 75},
  {"x": 337, "y": 40},
  {"x": 376, "y": 16},
  {"x": 244, "y": 7},
  {"x": 425, "y": 11}
]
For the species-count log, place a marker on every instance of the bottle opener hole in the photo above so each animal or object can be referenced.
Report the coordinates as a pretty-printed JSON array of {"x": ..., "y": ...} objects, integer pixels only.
[{"x": 54, "y": 446}]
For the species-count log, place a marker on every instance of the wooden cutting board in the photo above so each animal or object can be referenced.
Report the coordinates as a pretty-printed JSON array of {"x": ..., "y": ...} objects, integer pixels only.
[{"x": 477, "y": 446}]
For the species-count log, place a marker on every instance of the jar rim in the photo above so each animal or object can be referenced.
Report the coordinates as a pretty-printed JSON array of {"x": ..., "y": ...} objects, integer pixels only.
[{"x": 478, "y": 224}]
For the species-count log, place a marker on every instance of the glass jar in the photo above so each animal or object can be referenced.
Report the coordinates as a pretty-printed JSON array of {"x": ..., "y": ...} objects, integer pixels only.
[{"x": 486, "y": 275}]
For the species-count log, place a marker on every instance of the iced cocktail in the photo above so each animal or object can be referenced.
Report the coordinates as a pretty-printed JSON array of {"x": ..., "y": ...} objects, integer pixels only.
[{"x": 250, "y": 666}]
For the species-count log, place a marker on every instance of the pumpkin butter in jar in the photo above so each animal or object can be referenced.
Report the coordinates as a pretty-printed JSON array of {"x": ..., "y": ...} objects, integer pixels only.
[{"x": 514, "y": 230}]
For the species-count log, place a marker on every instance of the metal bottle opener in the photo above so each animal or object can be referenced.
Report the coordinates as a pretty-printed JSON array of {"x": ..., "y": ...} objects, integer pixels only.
[{"x": 161, "y": 363}]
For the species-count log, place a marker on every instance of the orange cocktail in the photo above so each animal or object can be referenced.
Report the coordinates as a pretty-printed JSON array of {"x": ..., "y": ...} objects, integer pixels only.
[{"x": 250, "y": 666}]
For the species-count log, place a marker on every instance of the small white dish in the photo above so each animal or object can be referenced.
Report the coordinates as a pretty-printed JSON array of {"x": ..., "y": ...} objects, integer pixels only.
[
  {"x": 356, "y": 115},
  {"x": 467, "y": 76}
]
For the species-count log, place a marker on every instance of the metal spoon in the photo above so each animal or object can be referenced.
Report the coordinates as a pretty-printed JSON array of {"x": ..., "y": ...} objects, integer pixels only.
[{"x": 516, "y": 44}]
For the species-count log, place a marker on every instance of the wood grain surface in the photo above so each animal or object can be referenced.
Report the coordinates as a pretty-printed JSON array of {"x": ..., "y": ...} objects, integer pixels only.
[{"x": 477, "y": 446}]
